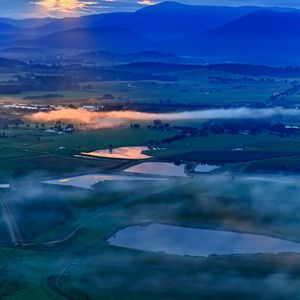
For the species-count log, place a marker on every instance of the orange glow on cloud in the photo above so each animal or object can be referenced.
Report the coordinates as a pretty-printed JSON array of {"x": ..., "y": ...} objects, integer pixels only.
[
  {"x": 65, "y": 6},
  {"x": 95, "y": 120},
  {"x": 147, "y": 2},
  {"x": 92, "y": 120},
  {"x": 76, "y": 7}
]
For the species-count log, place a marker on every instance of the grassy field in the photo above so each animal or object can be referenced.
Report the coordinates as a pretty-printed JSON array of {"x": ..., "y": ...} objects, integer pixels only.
[
  {"x": 27, "y": 150},
  {"x": 197, "y": 86},
  {"x": 65, "y": 253},
  {"x": 86, "y": 266},
  {"x": 86, "y": 141},
  {"x": 220, "y": 149},
  {"x": 191, "y": 90}
]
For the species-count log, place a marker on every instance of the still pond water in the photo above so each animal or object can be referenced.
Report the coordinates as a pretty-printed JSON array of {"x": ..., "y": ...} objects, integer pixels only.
[
  {"x": 87, "y": 181},
  {"x": 197, "y": 242},
  {"x": 121, "y": 153}
]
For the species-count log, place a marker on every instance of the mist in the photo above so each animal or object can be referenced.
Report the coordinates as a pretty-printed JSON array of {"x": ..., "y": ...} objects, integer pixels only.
[
  {"x": 97, "y": 120},
  {"x": 216, "y": 202}
]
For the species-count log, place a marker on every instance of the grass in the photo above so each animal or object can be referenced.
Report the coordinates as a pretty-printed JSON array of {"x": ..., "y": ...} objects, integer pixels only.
[
  {"x": 88, "y": 267},
  {"x": 191, "y": 87},
  {"x": 100, "y": 139},
  {"x": 285, "y": 165},
  {"x": 21, "y": 152},
  {"x": 228, "y": 142},
  {"x": 193, "y": 90}
]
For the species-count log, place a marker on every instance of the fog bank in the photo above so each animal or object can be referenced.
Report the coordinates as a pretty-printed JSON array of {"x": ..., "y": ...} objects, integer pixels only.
[{"x": 96, "y": 120}]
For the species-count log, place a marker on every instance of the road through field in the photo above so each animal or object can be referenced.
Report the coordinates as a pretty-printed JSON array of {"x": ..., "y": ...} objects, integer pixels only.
[{"x": 10, "y": 220}]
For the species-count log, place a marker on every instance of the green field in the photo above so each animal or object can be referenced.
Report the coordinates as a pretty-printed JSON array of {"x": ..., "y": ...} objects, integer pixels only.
[
  {"x": 197, "y": 87},
  {"x": 27, "y": 150},
  {"x": 85, "y": 266},
  {"x": 64, "y": 253}
]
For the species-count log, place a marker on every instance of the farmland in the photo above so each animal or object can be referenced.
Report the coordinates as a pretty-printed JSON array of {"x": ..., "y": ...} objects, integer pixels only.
[{"x": 61, "y": 201}]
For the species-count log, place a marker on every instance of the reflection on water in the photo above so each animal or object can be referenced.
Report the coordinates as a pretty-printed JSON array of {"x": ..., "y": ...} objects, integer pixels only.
[
  {"x": 158, "y": 168},
  {"x": 204, "y": 168},
  {"x": 197, "y": 242},
  {"x": 122, "y": 152},
  {"x": 4, "y": 186},
  {"x": 87, "y": 181}
]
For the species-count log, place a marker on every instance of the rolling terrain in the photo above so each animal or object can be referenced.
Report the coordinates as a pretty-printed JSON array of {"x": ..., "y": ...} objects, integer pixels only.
[
  {"x": 183, "y": 118},
  {"x": 213, "y": 33}
]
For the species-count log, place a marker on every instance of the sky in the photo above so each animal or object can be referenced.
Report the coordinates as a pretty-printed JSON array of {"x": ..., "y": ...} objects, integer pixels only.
[{"x": 61, "y": 8}]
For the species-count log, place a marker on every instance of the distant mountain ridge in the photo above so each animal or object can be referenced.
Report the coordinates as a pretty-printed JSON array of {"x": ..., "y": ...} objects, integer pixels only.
[
  {"x": 172, "y": 19},
  {"x": 262, "y": 23},
  {"x": 163, "y": 20},
  {"x": 89, "y": 21},
  {"x": 242, "y": 69},
  {"x": 111, "y": 58},
  {"x": 8, "y": 29},
  {"x": 27, "y": 23},
  {"x": 263, "y": 33},
  {"x": 103, "y": 38},
  {"x": 10, "y": 64},
  {"x": 208, "y": 33}
]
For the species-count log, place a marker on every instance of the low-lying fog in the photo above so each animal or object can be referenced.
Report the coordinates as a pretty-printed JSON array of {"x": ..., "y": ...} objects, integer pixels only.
[
  {"x": 96, "y": 120},
  {"x": 226, "y": 210}
]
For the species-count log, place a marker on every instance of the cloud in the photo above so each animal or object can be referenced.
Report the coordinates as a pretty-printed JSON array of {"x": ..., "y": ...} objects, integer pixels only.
[
  {"x": 38, "y": 8},
  {"x": 66, "y": 7},
  {"x": 79, "y": 7},
  {"x": 147, "y": 2}
]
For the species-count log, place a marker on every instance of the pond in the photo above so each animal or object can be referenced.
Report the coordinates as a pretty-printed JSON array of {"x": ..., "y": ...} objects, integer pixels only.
[
  {"x": 87, "y": 181},
  {"x": 205, "y": 168},
  {"x": 121, "y": 153},
  {"x": 4, "y": 186},
  {"x": 158, "y": 168},
  {"x": 197, "y": 242}
]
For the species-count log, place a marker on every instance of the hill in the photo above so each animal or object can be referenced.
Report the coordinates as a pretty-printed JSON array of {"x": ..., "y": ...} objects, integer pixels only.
[
  {"x": 163, "y": 20},
  {"x": 11, "y": 64},
  {"x": 89, "y": 21},
  {"x": 171, "y": 19},
  {"x": 27, "y": 23},
  {"x": 241, "y": 69},
  {"x": 8, "y": 29},
  {"x": 264, "y": 33},
  {"x": 111, "y": 58},
  {"x": 103, "y": 38}
]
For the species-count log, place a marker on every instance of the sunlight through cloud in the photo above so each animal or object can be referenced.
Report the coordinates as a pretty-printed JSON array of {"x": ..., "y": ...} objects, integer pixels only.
[
  {"x": 147, "y": 2},
  {"x": 65, "y": 7}
]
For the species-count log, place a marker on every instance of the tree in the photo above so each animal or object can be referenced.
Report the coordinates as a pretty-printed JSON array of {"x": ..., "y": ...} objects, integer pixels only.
[
  {"x": 157, "y": 122},
  {"x": 136, "y": 126},
  {"x": 70, "y": 128},
  {"x": 217, "y": 128}
]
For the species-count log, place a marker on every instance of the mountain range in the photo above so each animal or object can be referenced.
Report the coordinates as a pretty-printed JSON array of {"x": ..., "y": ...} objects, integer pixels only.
[
  {"x": 206, "y": 32},
  {"x": 262, "y": 33}
]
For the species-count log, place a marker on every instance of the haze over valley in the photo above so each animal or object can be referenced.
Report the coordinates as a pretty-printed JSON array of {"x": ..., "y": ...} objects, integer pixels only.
[{"x": 149, "y": 150}]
